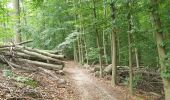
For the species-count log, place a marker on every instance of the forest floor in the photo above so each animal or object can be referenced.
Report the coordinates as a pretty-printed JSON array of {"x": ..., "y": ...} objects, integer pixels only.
[
  {"x": 80, "y": 85},
  {"x": 89, "y": 87}
]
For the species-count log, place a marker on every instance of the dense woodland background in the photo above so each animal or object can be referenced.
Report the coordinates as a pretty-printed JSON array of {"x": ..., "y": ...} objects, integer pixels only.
[{"x": 133, "y": 33}]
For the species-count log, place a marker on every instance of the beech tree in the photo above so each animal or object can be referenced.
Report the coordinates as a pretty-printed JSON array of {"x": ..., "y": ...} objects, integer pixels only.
[
  {"x": 160, "y": 46},
  {"x": 17, "y": 20}
]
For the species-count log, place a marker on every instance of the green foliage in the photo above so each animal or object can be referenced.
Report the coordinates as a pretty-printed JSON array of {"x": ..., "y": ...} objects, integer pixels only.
[
  {"x": 137, "y": 78},
  {"x": 25, "y": 80},
  {"x": 7, "y": 73},
  {"x": 166, "y": 71},
  {"x": 92, "y": 55},
  {"x": 69, "y": 40}
]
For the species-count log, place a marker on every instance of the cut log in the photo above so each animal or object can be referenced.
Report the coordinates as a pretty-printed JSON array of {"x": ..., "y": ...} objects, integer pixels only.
[
  {"x": 11, "y": 64},
  {"x": 42, "y": 64},
  {"x": 44, "y": 53},
  {"x": 39, "y": 56},
  {"x": 108, "y": 70},
  {"x": 15, "y": 56}
]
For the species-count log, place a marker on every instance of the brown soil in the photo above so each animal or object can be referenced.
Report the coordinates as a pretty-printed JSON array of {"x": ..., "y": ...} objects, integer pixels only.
[
  {"x": 89, "y": 87},
  {"x": 47, "y": 89},
  {"x": 81, "y": 85}
]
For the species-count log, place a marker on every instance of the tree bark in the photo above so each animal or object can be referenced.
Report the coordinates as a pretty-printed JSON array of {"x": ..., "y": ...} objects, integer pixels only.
[
  {"x": 42, "y": 64},
  {"x": 114, "y": 63},
  {"x": 104, "y": 42},
  {"x": 161, "y": 48},
  {"x": 44, "y": 53},
  {"x": 129, "y": 19},
  {"x": 75, "y": 52},
  {"x": 137, "y": 58},
  {"x": 97, "y": 38},
  {"x": 33, "y": 54},
  {"x": 17, "y": 26}
]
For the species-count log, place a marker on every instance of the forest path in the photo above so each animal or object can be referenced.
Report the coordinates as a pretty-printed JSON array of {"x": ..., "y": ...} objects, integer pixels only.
[{"x": 89, "y": 87}]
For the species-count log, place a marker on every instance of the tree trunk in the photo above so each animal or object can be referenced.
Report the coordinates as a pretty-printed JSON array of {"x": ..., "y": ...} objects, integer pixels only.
[
  {"x": 79, "y": 49},
  {"x": 160, "y": 47},
  {"x": 137, "y": 58},
  {"x": 85, "y": 44},
  {"x": 118, "y": 50},
  {"x": 104, "y": 42},
  {"x": 97, "y": 38},
  {"x": 17, "y": 26},
  {"x": 75, "y": 52},
  {"x": 114, "y": 64},
  {"x": 129, "y": 19}
]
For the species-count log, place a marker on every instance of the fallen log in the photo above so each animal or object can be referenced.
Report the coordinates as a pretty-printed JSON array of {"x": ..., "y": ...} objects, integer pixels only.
[
  {"x": 11, "y": 64},
  {"x": 125, "y": 69},
  {"x": 108, "y": 70},
  {"x": 44, "y": 53},
  {"x": 42, "y": 64},
  {"x": 15, "y": 56},
  {"x": 39, "y": 56}
]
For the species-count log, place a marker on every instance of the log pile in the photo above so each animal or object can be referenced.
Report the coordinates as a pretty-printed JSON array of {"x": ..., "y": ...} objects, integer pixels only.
[{"x": 22, "y": 57}]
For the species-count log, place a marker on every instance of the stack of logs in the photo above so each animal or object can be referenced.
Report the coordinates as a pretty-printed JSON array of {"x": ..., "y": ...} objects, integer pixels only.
[{"x": 23, "y": 57}]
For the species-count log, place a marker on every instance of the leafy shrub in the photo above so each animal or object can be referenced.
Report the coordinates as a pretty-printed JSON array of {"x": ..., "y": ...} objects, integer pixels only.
[
  {"x": 27, "y": 81},
  {"x": 92, "y": 55}
]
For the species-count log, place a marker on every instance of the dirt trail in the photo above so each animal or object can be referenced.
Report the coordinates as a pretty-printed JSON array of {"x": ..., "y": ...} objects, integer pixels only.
[{"x": 89, "y": 87}]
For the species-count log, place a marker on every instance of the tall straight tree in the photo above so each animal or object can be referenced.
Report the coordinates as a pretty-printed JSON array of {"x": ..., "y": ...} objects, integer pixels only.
[
  {"x": 114, "y": 65},
  {"x": 17, "y": 21},
  {"x": 104, "y": 40},
  {"x": 97, "y": 37},
  {"x": 161, "y": 48},
  {"x": 129, "y": 21}
]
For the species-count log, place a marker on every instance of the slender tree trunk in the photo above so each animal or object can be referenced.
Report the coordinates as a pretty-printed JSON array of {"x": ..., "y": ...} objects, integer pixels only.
[
  {"x": 97, "y": 37},
  {"x": 87, "y": 59},
  {"x": 75, "y": 52},
  {"x": 129, "y": 19},
  {"x": 24, "y": 12},
  {"x": 114, "y": 63},
  {"x": 104, "y": 42},
  {"x": 75, "y": 42},
  {"x": 82, "y": 39},
  {"x": 161, "y": 48},
  {"x": 118, "y": 50},
  {"x": 104, "y": 47},
  {"x": 79, "y": 49},
  {"x": 17, "y": 26},
  {"x": 137, "y": 57}
]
